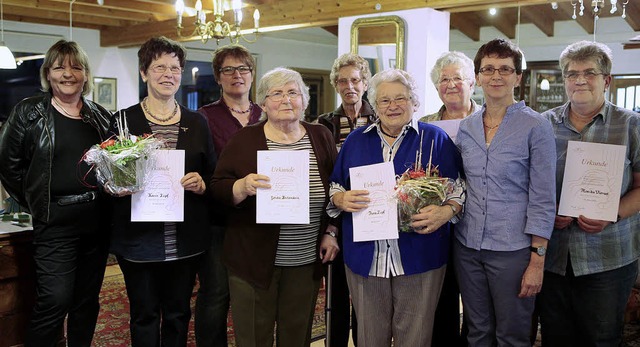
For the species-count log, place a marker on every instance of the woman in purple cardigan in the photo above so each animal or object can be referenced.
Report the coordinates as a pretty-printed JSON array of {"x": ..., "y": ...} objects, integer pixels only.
[
  {"x": 395, "y": 283},
  {"x": 275, "y": 269}
]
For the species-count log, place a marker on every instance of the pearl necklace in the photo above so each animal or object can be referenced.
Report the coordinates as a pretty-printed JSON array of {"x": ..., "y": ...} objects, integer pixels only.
[
  {"x": 159, "y": 119},
  {"x": 240, "y": 111},
  {"x": 65, "y": 110}
]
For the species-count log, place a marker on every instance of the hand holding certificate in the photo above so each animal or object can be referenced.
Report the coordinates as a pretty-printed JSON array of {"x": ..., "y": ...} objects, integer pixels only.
[
  {"x": 379, "y": 221},
  {"x": 592, "y": 180},
  {"x": 287, "y": 201}
]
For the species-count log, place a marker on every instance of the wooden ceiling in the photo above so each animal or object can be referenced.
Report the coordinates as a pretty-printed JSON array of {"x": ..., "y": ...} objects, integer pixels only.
[{"x": 125, "y": 23}]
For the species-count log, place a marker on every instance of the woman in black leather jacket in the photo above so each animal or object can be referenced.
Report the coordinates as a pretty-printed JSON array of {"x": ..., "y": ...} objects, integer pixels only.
[{"x": 41, "y": 149}]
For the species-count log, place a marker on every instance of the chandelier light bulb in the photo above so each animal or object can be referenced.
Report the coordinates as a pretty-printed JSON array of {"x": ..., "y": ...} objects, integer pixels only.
[
  {"x": 236, "y": 5},
  {"x": 198, "y": 5},
  {"x": 179, "y": 7},
  {"x": 256, "y": 19}
]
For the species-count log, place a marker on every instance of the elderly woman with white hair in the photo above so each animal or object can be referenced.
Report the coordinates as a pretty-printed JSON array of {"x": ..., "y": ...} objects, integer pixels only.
[
  {"x": 454, "y": 79},
  {"x": 395, "y": 283},
  {"x": 275, "y": 269}
]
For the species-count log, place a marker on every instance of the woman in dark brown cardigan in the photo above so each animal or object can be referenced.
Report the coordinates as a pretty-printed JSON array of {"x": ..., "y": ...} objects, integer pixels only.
[{"x": 274, "y": 269}]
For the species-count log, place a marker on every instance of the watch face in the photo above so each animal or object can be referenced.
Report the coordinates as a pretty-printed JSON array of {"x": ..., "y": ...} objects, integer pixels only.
[{"x": 541, "y": 251}]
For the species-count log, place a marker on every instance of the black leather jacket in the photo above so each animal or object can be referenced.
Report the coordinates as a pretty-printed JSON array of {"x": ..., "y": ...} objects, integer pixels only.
[{"x": 26, "y": 150}]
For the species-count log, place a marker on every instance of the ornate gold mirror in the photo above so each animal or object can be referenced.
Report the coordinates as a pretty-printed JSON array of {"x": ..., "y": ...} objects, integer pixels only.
[{"x": 379, "y": 34}]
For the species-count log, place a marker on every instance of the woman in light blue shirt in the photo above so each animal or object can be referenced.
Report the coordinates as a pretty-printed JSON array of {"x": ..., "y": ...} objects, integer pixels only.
[{"x": 508, "y": 153}]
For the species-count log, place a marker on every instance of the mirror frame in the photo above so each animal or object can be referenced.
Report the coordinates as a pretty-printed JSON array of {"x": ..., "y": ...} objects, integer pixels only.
[{"x": 378, "y": 21}]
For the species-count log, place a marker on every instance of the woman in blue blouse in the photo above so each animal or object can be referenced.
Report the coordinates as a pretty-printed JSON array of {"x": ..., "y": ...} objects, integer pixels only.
[
  {"x": 395, "y": 283},
  {"x": 508, "y": 153}
]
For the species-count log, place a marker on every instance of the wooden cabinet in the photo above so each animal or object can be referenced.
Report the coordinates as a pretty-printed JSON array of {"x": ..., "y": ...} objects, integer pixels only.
[{"x": 17, "y": 286}]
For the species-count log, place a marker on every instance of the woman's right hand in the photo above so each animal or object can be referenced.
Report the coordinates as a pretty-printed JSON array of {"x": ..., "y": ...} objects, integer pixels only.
[
  {"x": 248, "y": 186},
  {"x": 351, "y": 200},
  {"x": 562, "y": 222}
]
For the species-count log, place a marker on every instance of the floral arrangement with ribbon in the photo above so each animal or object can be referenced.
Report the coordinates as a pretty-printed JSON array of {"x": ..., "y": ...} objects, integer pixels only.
[
  {"x": 123, "y": 161},
  {"x": 419, "y": 187}
]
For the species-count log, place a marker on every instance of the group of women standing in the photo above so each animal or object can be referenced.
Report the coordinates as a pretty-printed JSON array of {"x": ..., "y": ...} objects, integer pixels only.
[{"x": 502, "y": 160}]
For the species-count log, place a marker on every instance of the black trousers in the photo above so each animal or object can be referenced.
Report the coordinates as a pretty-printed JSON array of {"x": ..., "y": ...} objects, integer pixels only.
[
  {"x": 70, "y": 254},
  {"x": 212, "y": 304},
  {"x": 342, "y": 314},
  {"x": 159, "y": 298},
  {"x": 446, "y": 326}
]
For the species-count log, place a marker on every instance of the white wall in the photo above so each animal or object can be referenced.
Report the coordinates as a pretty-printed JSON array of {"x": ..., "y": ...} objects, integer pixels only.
[
  {"x": 122, "y": 63},
  {"x": 427, "y": 36}
]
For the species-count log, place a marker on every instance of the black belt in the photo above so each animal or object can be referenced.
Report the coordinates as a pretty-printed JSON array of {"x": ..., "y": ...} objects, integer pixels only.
[{"x": 65, "y": 200}]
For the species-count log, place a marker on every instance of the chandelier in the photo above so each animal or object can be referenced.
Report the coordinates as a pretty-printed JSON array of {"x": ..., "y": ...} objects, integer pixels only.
[
  {"x": 218, "y": 29},
  {"x": 598, "y": 6}
]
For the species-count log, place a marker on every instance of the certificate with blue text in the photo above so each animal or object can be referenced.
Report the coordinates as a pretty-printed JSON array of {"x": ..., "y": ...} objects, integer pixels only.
[
  {"x": 592, "y": 180},
  {"x": 287, "y": 201},
  {"x": 379, "y": 221},
  {"x": 162, "y": 199}
]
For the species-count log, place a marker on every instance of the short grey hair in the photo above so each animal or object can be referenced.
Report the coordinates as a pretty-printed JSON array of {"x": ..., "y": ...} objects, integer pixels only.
[
  {"x": 390, "y": 76},
  {"x": 453, "y": 58},
  {"x": 583, "y": 51},
  {"x": 350, "y": 59},
  {"x": 278, "y": 77}
]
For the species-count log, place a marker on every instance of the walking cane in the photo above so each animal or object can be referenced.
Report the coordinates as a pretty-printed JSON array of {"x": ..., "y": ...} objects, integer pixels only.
[{"x": 327, "y": 308}]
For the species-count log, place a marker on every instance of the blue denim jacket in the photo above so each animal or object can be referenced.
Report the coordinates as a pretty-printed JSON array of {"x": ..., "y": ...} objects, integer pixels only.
[{"x": 510, "y": 183}]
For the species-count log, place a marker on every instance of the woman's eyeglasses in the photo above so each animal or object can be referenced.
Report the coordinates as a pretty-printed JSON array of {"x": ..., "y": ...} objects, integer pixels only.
[
  {"x": 230, "y": 70},
  {"x": 502, "y": 70},
  {"x": 386, "y": 102},
  {"x": 176, "y": 70},
  {"x": 588, "y": 75},
  {"x": 279, "y": 96}
]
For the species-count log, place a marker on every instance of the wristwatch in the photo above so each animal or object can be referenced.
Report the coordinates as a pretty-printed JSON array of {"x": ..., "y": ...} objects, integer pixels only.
[
  {"x": 540, "y": 250},
  {"x": 331, "y": 233}
]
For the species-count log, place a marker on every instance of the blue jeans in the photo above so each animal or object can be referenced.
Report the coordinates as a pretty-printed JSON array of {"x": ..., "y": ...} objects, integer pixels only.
[
  {"x": 585, "y": 310},
  {"x": 212, "y": 303}
]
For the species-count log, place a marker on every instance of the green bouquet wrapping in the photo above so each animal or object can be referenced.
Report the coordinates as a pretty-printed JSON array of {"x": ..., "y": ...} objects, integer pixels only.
[
  {"x": 417, "y": 188},
  {"x": 122, "y": 163}
]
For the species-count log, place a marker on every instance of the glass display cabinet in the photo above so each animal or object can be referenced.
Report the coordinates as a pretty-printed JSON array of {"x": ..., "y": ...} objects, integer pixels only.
[{"x": 542, "y": 87}]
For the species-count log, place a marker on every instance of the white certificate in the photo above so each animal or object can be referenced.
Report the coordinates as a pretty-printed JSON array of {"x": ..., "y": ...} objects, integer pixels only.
[
  {"x": 449, "y": 126},
  {"x": 379, "y": 221},
  {"x": 592, "y": 180},
  {"x": 162, "y": 199},
  {"x": 287, "y": 201}
]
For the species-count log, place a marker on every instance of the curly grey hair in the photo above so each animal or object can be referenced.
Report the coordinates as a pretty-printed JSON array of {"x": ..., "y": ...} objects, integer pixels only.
[{"x": 389, "y": 76}]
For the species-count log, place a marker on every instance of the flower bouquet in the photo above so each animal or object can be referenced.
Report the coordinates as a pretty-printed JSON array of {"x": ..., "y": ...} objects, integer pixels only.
[
  {"x": 418, "y": 187},
  {"x": 122, "y": 162}
]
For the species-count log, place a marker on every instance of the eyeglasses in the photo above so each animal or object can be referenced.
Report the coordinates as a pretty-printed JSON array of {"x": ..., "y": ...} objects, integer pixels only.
[
  {"x": 588, "y": 75},
  {"x": 176, "y": 70},
  {"x": 386, "y": 102},
  {"x": 279, "y": 96},
  {"x": 345, "y": 81},
  {"x": 444, "y": 81},
  {"x": 502, "y": 70},
  {"x": 230, "y": 70}
]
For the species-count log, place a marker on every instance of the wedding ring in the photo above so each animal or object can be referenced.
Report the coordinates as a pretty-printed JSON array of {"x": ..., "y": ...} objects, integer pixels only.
[{"x": 427, "y": 228}]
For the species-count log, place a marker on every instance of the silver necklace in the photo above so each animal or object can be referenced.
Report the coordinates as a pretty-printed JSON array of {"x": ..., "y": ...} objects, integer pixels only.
[
  {"x": 65, "y": 110},
  {"x": 159, "y": 119}
]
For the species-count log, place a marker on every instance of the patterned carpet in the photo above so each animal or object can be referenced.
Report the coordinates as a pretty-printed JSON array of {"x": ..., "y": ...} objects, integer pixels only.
[{"x": 112, "y": 329}]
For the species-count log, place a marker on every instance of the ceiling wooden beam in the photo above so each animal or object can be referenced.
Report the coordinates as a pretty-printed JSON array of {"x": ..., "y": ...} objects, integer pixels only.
[
  {"x": 541, "y": 17},
  {"x": 632, "y": 13},
  {"x": 465, "y": 22}
]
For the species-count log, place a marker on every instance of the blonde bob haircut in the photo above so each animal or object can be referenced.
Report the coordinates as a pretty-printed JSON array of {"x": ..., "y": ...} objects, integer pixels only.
[{"x": 56, "y": 55}]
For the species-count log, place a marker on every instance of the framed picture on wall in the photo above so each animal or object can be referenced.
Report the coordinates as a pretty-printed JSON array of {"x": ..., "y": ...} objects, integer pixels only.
[{"x": 105, "y": 92}]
